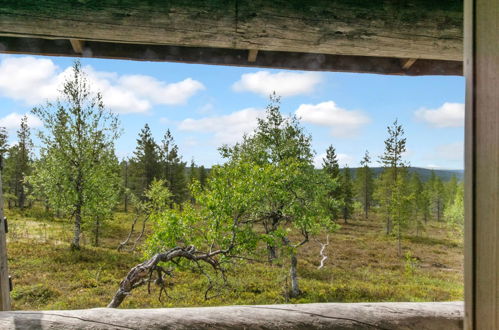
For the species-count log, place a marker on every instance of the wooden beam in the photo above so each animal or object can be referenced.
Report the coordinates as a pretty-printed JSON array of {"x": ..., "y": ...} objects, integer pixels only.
[
  {"x": 407, "y": 63},
  {"x": 482, "y": 165},
  {"x": 252, "y": 54},
  {"x": 4, "y": 269},
  {"x": 234, "y": 57},
  {"x": 77, "y": 45},
  {"x": 381, "y": 28},
  {"x": 357, "y": 316}
]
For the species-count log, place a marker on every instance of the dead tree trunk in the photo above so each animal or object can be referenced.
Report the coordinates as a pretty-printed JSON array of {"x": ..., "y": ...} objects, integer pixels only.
[
  {"x": 293, "y": 272},
  {"x": 143, "y": 273}
]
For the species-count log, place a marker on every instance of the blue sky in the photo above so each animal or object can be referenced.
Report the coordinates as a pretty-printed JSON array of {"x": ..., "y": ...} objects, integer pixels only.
[{"x": 205, "y": 106}]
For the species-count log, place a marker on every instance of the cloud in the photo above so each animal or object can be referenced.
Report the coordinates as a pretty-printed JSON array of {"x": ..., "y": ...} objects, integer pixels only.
[
  {"x": 343, "y": 123},
  {"x": 227, "y": 129},
  {"x": 283, "y": 83},
  {"x": 13, "y": 120},
  {"x": 448, "y": 115},
  {"x": 33, "y": 81},
  {"x": 160, "y": 92},
  {"x": 343, "y": 160}
]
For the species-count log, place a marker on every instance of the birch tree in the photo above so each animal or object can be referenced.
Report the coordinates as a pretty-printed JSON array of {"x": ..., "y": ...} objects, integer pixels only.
[{"x": 77, "y": 150}]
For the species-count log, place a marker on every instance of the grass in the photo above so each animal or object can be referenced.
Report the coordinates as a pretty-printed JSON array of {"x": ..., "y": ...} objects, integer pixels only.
[{"x": 362, "y": 265}]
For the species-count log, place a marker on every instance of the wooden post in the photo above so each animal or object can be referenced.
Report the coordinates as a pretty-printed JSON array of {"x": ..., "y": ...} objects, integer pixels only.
[
  {"x": 482, "y": 165},
  {"x": 4, "y": 270}
]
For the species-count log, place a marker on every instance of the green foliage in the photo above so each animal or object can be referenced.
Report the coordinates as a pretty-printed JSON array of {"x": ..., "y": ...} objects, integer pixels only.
[
  {"x": 454, "y": 213},
  {"x": 173, "y": 169},
  {"x": 364, "y": 184},
  {"x": 347, "y": 194},
  {"x": 77, "y": 162},
  {"x": 145, "y": 163},
  {"x": 331, "y": 170}
]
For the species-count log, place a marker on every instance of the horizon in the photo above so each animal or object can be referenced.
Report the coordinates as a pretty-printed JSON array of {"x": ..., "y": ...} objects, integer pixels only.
[{"x": 206, "y": 106}]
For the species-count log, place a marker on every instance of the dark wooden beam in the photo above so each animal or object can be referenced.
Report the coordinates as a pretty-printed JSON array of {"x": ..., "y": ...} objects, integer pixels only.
[
  {"x": 422, "y": 29},
  {"x": 231, "y": 57}
]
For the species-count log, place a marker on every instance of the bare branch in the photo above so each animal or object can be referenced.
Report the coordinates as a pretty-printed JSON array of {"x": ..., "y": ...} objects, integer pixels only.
[{"x": 323, "y": 248}]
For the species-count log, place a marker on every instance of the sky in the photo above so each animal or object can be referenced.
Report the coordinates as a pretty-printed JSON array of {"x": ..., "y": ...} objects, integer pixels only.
[{"x": 206, "y": 106}]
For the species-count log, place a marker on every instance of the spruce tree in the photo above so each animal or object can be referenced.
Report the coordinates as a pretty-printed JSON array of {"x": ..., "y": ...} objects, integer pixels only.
[
  {"x": 23, "y": 161},
  {"x": 331, "y": 169},
  {"x": 146, "y": 159},
  {"x": 173, "y": 168},
  {"x": 203, "y": 176},
  {"x": 392, "y": 161}
]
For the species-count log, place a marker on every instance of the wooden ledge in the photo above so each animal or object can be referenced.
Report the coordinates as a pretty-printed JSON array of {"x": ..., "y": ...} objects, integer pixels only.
[{"x": 421, "y": 316}]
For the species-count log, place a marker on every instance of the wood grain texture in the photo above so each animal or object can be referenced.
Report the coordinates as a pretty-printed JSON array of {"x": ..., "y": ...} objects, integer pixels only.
[
  {"x": 423, "y": 29},
  {"x": 359, "y": 316},
  {"x": 482, "y": 161},
  {"x": 230, "y": 57},
  {"x": 4, "y": 269}
]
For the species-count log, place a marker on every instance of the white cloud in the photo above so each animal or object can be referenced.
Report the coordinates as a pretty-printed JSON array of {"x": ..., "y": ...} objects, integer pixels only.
[
  {"x": 343, "y": 160},
  {"x": 13, "y": 120},
  {"x": 159, "y": 91},
  {"x": 450, "y": 151},
  {"x": 448, "y": 115},
  {"x": 35, "y": 80},
  {"x": 226, "y": 129},
  {"x": 343, "y": 123},
  {"x": 283, "y": 83},
  {"x": 28, "y": 79}
]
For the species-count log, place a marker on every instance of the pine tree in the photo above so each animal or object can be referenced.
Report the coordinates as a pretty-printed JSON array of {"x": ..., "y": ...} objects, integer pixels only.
[
  {"x": 364, "y": 184},
  {"x": 331, "y": 169},
  {"x": 146, "y": 159},
  {"x": 346, "y": 189}
]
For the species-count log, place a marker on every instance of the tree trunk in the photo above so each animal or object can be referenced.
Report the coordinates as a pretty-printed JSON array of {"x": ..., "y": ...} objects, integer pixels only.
[
  {"x": 399, "y": 236},
  {"x": 75, "y": 244},
  {"x": 272, "y": 253},
  {"x": 295, "y": 290},
  {"x": 388, "y": 226},
  {"x": 96, "y": 231}
]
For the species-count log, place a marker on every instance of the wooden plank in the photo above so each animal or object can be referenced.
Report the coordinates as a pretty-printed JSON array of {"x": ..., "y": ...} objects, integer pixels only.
[
  {"x": 407, "y": 63},
  {"x": 252, "y": 54},
  {"x": 235, "y": 57},
  {"x": 357, "y": 316},
  {"x": 4, "y": 269},
  {"x": 382, "y": 28},
  {"x": 77, "y": 45},
  {"x": 482, "y": 165}
]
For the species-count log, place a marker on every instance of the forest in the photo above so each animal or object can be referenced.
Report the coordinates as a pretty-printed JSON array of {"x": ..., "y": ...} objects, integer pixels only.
[{"x": 264, "y": 226}]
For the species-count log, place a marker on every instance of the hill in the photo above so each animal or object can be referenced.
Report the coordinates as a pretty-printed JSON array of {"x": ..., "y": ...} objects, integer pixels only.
[{"x": 425, "y": 173}]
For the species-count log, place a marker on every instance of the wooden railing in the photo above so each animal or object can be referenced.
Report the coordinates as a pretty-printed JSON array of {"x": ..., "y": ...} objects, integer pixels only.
[{"x": 420, "y": 316}]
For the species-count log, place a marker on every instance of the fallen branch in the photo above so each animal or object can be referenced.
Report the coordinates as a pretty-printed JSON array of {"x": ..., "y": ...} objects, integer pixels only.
[
  {"x": 323, "y": 248},
  {"x": 125, "y": 242},
  {"x": 143, "y": 273}
]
